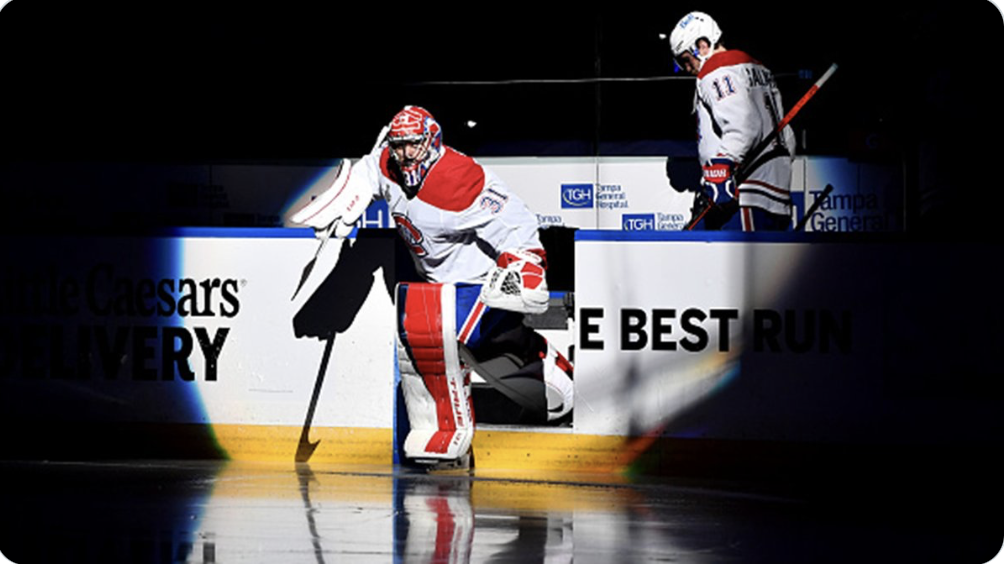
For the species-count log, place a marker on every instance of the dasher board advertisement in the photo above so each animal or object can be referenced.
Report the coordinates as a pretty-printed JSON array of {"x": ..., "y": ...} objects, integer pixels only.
[{"x": 849, "y": 339}]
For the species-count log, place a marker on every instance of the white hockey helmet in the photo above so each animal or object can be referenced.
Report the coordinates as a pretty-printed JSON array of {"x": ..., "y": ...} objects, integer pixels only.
[{"x": 689, "y": 30}]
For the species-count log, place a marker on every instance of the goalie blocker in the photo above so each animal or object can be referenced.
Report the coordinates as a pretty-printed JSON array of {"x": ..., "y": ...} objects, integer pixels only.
[{"x": 336, "y": 209}]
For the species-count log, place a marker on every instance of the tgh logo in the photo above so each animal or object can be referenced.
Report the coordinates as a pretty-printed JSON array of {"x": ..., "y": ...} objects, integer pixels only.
[
  {"x": 576, "y": 195},
  {"x": 638, "y": 222}
]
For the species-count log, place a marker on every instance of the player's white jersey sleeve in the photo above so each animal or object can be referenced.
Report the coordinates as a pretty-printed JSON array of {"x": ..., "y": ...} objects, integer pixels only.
[{"x": 500, "y": 218}]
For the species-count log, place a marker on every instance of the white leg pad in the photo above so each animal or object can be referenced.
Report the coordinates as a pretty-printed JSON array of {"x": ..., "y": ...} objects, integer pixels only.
[
  {"x": 437, "y": 390},
  {"x": 559, "y": 388}
]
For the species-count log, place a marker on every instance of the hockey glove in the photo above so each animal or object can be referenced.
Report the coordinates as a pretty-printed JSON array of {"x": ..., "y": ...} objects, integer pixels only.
[
  {"x": 719, "y": 183},
  {"x": 518, "y": 282},
  {"x": 337, "y": 208}
]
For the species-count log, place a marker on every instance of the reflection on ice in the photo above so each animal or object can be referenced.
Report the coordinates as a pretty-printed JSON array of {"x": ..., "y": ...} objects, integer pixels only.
[
  {"x": 326, "y": 514},
  {"x": 208, "y": 512}
]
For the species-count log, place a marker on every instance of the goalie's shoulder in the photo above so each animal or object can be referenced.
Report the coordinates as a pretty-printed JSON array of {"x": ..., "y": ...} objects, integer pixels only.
[{"x": 454, "y": 183}]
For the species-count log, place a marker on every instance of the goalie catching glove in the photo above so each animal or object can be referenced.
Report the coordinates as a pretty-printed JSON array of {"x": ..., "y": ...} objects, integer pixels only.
[
  {"x": 518, "y": 282},
  {"x": 336, "y": 209}
]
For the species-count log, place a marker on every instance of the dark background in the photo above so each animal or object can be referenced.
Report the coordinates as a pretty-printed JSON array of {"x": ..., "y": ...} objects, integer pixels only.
[
  {"x": 205, "y": 82},
  {"x": 181, "y": 82}
]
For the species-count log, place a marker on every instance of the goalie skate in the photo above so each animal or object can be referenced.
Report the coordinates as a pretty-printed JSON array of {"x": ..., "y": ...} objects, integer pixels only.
[{"x": 461, "y": 465}]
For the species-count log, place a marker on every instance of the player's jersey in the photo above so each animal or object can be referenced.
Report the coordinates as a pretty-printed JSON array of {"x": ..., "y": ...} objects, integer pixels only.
[
  {"x": 461, "y": 219},
  {"x": 737, "y": 105}
]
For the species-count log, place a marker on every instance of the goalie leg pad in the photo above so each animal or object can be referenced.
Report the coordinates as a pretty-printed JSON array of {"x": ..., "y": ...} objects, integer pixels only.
[
  {"x": 517, "y": 361},
  {"x": 436, "y": 387},
  {"x": 558, "y": 383}
]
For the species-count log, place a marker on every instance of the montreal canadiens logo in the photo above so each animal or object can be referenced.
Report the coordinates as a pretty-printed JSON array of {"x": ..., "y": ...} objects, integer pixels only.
[{"x": 411, "y": 235}]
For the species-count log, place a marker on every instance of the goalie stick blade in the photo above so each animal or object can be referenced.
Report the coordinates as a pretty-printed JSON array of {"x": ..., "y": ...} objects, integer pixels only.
[{"x": 304, "y": 450}]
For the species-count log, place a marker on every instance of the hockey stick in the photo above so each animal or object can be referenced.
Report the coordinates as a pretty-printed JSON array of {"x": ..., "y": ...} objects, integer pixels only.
[
  {"x": 815, "y": 206},
  {"x": 766, "y": 141},
  {"x": 305, "y": 448},
  {"x": 739, "y": 174},
  {"x": 503, "y": 373}
]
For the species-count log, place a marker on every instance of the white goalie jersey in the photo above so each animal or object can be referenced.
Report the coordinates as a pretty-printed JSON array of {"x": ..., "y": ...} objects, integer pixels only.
[
  {"x": 738, "y": 104},
  {"x": 459, "y": 222}
]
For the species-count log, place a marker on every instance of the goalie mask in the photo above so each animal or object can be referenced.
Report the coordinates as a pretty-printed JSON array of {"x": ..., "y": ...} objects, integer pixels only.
[
  {"x": 416, "y": 143},
  {"x": 693, "y": 27}
]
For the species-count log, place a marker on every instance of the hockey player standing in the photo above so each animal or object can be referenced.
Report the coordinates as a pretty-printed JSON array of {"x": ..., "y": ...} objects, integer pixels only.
[
  {"x": 477, "y": 248},
  {"x": 737, "y": 105}
]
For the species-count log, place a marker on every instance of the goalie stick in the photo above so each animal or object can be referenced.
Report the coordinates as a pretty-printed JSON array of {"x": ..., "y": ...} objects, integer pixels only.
[
  {"x": 503, "y": 373},
  {"x": 326, "y": 214},
  {"x": 702, "y": 205}
]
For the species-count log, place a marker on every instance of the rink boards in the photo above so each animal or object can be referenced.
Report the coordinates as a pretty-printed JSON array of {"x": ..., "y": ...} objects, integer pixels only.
[{"x": 248, "y": 344}]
